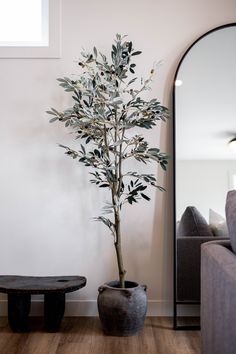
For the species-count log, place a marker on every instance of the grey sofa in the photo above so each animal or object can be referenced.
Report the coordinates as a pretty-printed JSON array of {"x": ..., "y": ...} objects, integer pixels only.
[
  {"x": 218, "y": 298},
  {"x": 218, "y": 289}
]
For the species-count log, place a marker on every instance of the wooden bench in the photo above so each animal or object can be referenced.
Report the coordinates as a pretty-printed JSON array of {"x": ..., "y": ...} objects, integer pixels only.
[{"x": 20, "y": 289}]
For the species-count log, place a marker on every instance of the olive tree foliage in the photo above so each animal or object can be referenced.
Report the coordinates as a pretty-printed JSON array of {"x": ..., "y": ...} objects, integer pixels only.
[{"x": 106, "y": 107}]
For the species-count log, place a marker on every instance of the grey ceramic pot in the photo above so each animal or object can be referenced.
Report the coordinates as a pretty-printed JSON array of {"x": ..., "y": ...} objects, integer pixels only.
[{"x": 122, "y": 310}]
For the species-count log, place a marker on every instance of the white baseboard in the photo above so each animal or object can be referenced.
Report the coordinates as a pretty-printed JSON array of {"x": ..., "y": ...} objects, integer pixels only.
[{"x": 89, "y": 308}]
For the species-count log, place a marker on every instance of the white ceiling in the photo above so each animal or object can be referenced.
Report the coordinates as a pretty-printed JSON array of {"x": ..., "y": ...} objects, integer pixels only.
[{"x": 206, "y": 100}]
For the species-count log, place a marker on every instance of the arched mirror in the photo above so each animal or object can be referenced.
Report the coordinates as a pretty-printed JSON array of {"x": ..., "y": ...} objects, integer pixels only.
[{"x": 205, "y": 161}]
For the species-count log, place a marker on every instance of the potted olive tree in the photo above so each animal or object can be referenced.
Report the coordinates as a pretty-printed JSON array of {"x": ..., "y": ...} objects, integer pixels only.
[{"x": 107, "y": 114}]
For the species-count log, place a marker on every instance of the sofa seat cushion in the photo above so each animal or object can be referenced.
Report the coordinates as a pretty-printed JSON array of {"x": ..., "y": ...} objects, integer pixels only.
[{"x": 192, "y": 223}]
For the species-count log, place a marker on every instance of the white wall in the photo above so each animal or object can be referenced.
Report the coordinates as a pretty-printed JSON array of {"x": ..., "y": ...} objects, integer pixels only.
[{"x": 46, "y": 201}]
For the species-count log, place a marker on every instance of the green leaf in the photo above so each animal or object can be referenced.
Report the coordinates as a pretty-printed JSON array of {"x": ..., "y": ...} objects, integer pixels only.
[
  {"x": 104, "y": 58},
  {"x": 97, "y": 153},
  {"x": 142, "y": 188},
  {"x": 163, "y": 166},
  {"x": 117, "y": 101},
  {"x": 106, "y": 221},
  {"x": 50, "y": 112},
  {"x": 130, "y": 47},
  {"x": 54, "y": 110},
  {"x": 153, "y": 150},
  {"x": 76, "y": 99},
  {"x": 83, "y": 149},
  {"x": 131, "y": 81},
  {"x": 145, "y": 196},
  {"x": 136, "y": 53},
  {"x": 130, "y": 200},
  {"x": 95, "y": 51},
  {"x": 161, "y": 189},
  {"x": 63, "y": 146},
  {"x": 53, "y": 119}
]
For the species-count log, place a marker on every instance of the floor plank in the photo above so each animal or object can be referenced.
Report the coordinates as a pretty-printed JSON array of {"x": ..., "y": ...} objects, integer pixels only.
[{"x": 83, "y": 335}]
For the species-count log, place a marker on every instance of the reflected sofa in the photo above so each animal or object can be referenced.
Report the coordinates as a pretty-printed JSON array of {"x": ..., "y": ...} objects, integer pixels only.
[
  {"x": 192, "y": 232},
  {"x": 188, "y": 266}
]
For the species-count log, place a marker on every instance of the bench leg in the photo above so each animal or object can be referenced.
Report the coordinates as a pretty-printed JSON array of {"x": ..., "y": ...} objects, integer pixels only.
[
  {"x": 18, "y": 311},
  {"x": 54, "y": 308}
]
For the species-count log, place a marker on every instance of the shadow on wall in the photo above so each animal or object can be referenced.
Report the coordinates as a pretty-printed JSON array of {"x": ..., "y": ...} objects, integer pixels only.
[{"x": 162, "y": 234}]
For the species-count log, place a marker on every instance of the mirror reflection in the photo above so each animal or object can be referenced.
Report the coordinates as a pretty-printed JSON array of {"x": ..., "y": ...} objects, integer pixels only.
[{"x": 205, "y": 134}]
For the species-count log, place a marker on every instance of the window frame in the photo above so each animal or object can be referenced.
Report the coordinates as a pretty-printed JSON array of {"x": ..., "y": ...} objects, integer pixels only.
[{"x": 41, "y": 50}]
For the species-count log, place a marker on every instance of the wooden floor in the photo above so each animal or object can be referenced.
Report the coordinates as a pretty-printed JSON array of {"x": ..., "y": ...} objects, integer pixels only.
[{"x": 82, "y": 335}]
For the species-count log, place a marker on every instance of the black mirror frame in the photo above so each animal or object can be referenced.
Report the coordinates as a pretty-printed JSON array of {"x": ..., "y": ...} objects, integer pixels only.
[{"x": 175, "y": 302}]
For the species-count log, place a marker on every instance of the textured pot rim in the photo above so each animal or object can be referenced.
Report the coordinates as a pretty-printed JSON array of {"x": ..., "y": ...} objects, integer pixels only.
[
  {"x": 136, "y": 285},
  {"x": 129, "y": 290}
]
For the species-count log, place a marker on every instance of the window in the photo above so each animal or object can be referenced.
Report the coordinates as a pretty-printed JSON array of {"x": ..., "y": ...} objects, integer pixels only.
[{"x": 29, "y": 28}]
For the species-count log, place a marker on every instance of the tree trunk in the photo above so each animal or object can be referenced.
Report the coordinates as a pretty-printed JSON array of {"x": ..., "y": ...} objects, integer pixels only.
[
  {"x": 119, "y": 250},
  {"x": 116, "y": 195}
]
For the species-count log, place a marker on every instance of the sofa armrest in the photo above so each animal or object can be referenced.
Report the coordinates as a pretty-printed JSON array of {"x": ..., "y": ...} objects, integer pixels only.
[
  {"x": 218, "y": 298},
  {"x": 188, "y": 266}
]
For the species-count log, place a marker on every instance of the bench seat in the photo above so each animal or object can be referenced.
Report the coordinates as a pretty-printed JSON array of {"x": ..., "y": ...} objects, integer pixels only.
[{"x": 20, "y": 288}]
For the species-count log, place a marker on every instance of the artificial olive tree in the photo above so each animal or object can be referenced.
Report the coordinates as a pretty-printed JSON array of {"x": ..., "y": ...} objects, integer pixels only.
[{"x": 106, "y": 107}]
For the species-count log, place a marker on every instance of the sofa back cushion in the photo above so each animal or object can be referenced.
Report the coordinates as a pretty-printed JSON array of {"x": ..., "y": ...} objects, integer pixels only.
[
  {"x": 192, "y": 223},
  {"x": 218, "y": 224},
  {"x": 230, "y": 212}
]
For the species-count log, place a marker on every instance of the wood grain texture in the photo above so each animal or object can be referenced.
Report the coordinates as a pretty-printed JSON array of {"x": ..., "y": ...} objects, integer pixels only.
[
  {"x": 83, "y": 335},
  {"x": 40, "y": 285}
]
